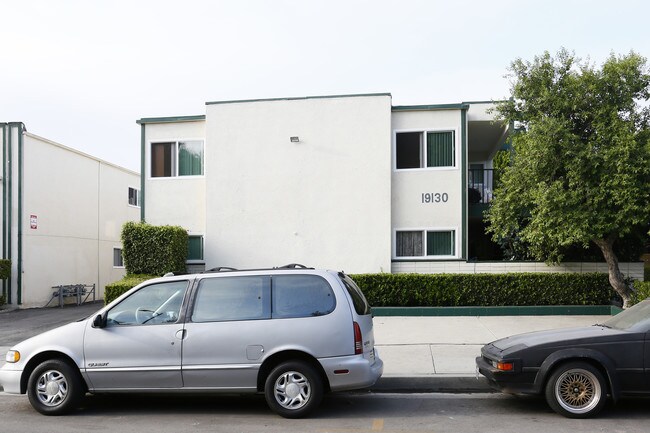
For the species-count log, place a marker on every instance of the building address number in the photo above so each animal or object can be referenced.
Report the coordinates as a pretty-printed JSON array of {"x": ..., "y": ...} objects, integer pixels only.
[{"x": 435, "y": 197}]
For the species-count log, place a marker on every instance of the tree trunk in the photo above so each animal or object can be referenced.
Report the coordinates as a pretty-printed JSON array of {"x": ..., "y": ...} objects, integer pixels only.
[{"x": 616, "y": 278}]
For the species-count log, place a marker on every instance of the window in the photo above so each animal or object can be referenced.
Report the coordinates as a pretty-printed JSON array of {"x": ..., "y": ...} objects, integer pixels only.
[
  {"x": 424, "y": 149},
  {"x": 177, "y": 158},
  {"x": 195, "y": 248},
  {"x": 232, "y": 298},
  {"x": 154, "y": 304},
  {"x": 301, "y": 296},
  {"x": 118, "y": 260},
  {"x": 134, "y": 197},
  {"x": 414, "y": 243}
]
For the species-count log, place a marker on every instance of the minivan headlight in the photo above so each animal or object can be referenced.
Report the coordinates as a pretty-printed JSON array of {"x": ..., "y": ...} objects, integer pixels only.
[{"x": 12, "y": 356}]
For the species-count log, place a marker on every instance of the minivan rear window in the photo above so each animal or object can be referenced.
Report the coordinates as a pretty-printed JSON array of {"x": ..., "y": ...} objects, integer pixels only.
[
  {"x": 361, "y": 306},
  {"x": 301, "y": 296}
]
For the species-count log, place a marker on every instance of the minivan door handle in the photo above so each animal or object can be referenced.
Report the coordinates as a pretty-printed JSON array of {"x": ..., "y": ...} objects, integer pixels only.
[{"x": 181, "y": 334}]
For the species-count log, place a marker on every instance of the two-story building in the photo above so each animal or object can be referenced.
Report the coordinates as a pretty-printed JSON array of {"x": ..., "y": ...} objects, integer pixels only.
[{"x": 346, "y": 182}]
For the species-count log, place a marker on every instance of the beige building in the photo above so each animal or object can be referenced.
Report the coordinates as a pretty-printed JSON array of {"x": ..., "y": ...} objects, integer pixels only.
[{"x": 62, "y": 216}]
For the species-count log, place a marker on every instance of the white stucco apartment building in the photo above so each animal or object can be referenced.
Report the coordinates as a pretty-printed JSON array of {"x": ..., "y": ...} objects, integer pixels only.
[
  {"x": 63, "y": 213},
  {"x": 345, "y": 182}
]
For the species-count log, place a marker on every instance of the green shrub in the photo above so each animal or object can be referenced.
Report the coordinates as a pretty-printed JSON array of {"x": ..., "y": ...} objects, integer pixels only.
[
  {"x": 116, "y": 289},
  {"x": 512, "y": 289},
  {"x": 153, "y": 250},
  {"x": 2, "y": 300},
  {"x": 642, "y": 291},
  {"x": 5, "y": 269}
]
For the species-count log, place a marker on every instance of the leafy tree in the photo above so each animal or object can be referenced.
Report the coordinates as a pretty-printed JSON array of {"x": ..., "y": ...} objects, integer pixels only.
[{"x": 580, "y": 171}]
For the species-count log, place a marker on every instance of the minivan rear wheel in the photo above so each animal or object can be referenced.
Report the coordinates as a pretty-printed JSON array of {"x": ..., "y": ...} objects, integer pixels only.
[{"x": 293, "y": 389}]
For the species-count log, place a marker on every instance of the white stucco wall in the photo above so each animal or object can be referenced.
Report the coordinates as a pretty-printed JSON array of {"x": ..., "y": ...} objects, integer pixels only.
[
  {"x": 409, "y": 210},
  {"x": 175, "y": 200},
  {"x": 323, "y": 201},
  {"x": 80, "y": 204}
]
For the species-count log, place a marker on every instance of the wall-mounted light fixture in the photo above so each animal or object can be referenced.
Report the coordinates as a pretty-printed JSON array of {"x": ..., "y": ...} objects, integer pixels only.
[{"x": 295, "y": 139}]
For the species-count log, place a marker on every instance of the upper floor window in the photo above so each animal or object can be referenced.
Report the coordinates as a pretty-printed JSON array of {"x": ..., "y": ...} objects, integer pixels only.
[
  {"x": 177, "y": 158},
  {"x": 425, "y": 149},
  {"x": 134, "y": 197}
]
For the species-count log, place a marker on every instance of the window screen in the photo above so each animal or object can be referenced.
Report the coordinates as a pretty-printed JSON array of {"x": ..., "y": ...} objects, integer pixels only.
[
  {"x": 440, "y": 243},
  {"x": 440, "y": 149},
  {"x": 409, "y": 244}
]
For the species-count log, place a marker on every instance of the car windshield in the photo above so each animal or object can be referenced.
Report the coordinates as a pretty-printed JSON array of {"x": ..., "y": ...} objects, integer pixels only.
[{"x": 636, "y": 318}]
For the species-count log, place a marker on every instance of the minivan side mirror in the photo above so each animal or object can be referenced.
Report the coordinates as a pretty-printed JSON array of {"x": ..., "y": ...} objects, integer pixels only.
[{"x": 100, "y": 321}]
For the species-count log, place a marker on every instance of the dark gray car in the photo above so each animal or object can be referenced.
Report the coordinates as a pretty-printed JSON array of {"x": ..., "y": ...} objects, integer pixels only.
[{"x": 577, "y": 368}]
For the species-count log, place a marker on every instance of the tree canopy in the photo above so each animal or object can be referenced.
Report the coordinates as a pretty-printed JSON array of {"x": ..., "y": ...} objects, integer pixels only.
[{"x": 580, "y": 169}]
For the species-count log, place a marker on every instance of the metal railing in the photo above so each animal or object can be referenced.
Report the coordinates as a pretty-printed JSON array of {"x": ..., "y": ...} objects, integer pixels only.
[{"x": 480, "y": 185}]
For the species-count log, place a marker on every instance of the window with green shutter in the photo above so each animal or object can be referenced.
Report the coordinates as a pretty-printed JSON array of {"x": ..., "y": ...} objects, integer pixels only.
[
  {"x": 195, "y": 248},
  {"x": 440, "y": 243},
  {"x": 440, "y": 149}
]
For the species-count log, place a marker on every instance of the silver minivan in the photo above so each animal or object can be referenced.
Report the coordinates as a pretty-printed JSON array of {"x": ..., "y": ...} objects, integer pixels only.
[{"x": 292, "y": 333}]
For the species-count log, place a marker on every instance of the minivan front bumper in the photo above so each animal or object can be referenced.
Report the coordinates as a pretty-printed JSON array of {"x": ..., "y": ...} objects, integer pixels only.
[
  {"x": 10, "y": 379},
  {"x": 352, "y": 372}
]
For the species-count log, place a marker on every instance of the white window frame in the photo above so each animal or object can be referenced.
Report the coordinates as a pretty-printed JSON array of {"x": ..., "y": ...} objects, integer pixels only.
[
  {"x": 423, "y": 150},
  {"x": 113, "y": 257},
  {"x": 456, "y": 237},
  {"x": 175, "y": 142}
]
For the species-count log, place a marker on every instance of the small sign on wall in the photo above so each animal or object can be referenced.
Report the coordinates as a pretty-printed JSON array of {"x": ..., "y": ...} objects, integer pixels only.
[{"x": 33, "y": 222}]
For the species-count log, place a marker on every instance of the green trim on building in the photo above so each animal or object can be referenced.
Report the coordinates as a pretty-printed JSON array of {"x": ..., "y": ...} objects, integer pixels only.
[
  {"x": 19, "y": 217},
  {"x": 545, "y": 310},
  {"x": 360, "y": 95},
  {"x": 463, "y": 171},
  {"x": 176, "y": 119},
  {"x": 142, "y": 171},
  {"x": 461, "y": 106},
  {"x": 9, "y": 201},
  {"x": 4, "y": 204}
]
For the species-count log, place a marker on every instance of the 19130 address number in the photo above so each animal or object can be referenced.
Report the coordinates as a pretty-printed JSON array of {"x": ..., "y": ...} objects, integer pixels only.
[{"x": 435, "y": 197}]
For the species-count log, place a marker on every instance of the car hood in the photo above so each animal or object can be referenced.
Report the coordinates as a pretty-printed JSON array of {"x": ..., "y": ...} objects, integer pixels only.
[{"x": 560, "y": 337}]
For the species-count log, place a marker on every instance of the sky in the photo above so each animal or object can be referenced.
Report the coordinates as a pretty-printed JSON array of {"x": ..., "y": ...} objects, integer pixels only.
[{"x": 81, "y": 72}]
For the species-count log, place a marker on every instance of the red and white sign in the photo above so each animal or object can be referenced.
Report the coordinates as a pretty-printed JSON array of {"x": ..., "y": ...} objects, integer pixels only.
[{"x": 33, "y": 222}]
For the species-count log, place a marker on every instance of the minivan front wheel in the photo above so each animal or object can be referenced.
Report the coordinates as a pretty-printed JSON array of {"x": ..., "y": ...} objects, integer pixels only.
[
  {"x": 54, "y": 388},
  {"x": 293, "y": 389}
]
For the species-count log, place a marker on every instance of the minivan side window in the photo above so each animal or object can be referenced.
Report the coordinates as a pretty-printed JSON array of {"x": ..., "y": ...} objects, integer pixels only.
[
  {"x": 154, "y": 304},
  {"x": 232, "y": 298},
  {"x": 301, "y": 296}
]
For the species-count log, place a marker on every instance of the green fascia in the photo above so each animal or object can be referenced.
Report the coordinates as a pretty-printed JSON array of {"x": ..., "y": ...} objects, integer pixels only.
[
  {"x": 484, "y": 102},
  {"x": 463, "y": 171},
  {"x": 176, "y": 119},
  {"x": 461, "y": 106},
  {"x": 9, "y": 201},
  {"x": 360, "y": 95},
  {"x": 4, "y": 204},
  {"x": 142, "y": 168},
  {"x": 543, "y": 310}
]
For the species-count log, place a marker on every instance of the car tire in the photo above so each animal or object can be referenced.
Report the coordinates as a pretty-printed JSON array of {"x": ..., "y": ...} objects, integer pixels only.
[
  {"x": 293, "y": 389},
  {"x": 576, "y": 390},
  {"x": 55, "y": 388}
]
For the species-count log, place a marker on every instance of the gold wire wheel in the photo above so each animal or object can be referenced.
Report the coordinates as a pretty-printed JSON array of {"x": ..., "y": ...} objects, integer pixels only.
[{"x": 578, "y": 390}]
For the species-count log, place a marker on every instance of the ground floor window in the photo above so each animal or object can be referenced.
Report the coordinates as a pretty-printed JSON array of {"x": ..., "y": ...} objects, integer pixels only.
[
  {"x": 425, "y": 243},
  {"x": 118, "y": 260},
  {"x": 134, "y": 197}
]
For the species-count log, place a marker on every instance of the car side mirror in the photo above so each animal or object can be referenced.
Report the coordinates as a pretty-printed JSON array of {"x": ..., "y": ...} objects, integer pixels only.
[{"x": 100, "y": 321}]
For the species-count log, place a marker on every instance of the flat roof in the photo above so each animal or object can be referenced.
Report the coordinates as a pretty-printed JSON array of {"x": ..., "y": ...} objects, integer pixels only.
[
  {"x": 173, "y": 119},
  {"x": 298, "y": 98}
]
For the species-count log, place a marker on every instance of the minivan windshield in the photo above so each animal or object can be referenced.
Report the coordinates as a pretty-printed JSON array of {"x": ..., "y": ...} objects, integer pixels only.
[{"x": 636, "y": 318}]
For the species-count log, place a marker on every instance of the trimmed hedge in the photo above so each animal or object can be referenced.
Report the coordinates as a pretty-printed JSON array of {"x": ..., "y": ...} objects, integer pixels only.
[
  {"x": 153, "y": 250},
  {"x": 5, "y": 269},
  {"x": 511, "y": 289},
  {"x": 115, "y": 290}
]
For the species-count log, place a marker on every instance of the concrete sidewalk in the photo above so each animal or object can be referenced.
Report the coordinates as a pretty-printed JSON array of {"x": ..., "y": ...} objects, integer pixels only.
[{"x": 420, "y": 354}]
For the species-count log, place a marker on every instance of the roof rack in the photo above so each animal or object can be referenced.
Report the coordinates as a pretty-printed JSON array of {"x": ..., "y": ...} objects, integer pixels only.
[{"x": 229, "y": 269}]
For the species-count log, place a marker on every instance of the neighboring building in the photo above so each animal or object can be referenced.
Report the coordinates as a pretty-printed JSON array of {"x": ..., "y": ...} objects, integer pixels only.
[
  {"x": 63, "y": 213},
  {"x": 343, "y": 182}
]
